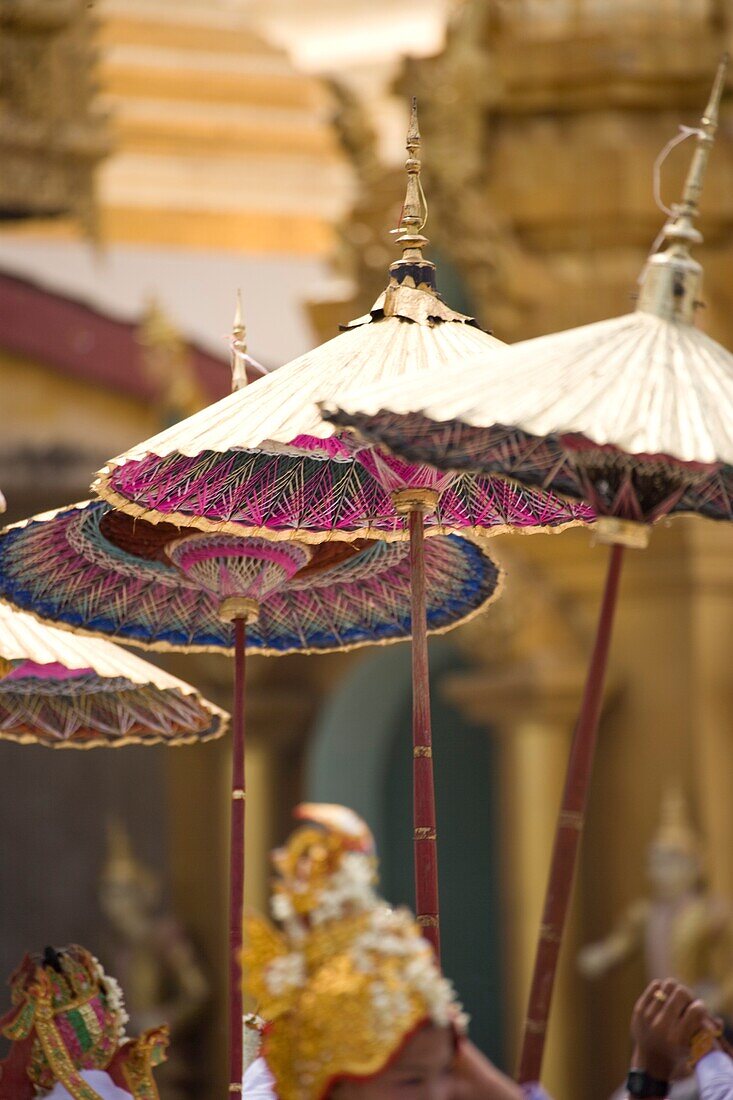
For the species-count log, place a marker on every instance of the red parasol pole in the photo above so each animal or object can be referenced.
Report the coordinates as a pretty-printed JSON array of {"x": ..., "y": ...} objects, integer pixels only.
[
  {"x": 569, "y": 830},
  {"x": 427, "y": 904},
  {"x": 236, "y": 861}
]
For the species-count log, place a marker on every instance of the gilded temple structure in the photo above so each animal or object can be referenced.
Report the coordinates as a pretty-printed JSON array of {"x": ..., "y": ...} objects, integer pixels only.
[
  {"x": 543, "y": 121},
  {"x": 53, "y": 133}
]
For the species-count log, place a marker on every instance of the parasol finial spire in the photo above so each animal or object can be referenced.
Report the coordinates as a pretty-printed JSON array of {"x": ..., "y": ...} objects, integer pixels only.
[
  {"x": 682, "y": 226},
  {"x": 414, "y": 214},
  {"x": 671, "y": 282},
  {"x": 412, "y": 218},
  {"x": 239, "y": 348}
]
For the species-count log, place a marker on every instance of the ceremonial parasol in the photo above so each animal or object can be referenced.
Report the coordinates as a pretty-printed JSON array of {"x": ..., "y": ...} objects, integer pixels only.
[
  {"x": 263, "y": 462},
  {"x": 67, "y": 692},
  {"x": 632, "y": 415},
  {"x": 116, "y": 576}
]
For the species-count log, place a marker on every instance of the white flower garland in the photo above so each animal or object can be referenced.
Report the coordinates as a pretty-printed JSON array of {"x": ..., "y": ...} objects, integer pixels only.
[
  {"x": 285, "y": 973},
  {"x": 115, "y": 998},
  {"x": 351, "y": 889},
  {"x": 391, "y": 932},
  {"x": 252, "y": 1027}
]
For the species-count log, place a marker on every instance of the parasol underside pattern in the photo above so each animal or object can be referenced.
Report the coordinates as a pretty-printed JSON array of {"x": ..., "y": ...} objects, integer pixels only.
[
  {"x": 64, "y": 691},
  {"x": 638, "y": 385},
  {"x": 308, "y": 495},
  {"x": 263, "y": 462},
  {"x": 82, "y": 712},
  {"x": 98, "y": 588}
]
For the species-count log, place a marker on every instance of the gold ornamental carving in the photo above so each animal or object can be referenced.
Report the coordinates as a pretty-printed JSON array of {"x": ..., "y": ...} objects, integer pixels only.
[{"x": 51, "y": 134}]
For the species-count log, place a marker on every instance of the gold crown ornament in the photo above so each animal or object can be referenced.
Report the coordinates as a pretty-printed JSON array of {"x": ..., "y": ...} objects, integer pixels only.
[{"x": 348, "y": 980}]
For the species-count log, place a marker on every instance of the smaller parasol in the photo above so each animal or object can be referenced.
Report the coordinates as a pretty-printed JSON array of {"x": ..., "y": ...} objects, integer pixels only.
[{"x": 63, "y": 691}]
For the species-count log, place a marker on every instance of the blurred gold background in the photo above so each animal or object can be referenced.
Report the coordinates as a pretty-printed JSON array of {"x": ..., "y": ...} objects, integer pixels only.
[{"x": 188, "y": 148}]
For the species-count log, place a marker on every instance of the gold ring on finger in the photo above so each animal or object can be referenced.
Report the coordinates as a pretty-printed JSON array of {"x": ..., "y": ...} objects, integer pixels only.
[{"x": 659, "y": 996}]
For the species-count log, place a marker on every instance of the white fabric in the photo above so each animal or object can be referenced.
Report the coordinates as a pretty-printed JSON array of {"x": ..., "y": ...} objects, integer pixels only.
[
  {"x": 258, "y": 1083},
  {"x": 714, "y": 1075},
  {"x": 99, "y": 1081}
]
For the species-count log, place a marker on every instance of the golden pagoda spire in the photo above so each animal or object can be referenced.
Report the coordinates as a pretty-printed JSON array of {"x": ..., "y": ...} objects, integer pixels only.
[
  {"x": 412, "y": 265},
  {"x": 239, "y": 348},
  {"x": 671, "y": 282}
]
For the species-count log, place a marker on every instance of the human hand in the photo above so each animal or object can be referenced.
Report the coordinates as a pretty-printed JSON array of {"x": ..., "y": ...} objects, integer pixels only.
[{"x": 665, "y": 1020}]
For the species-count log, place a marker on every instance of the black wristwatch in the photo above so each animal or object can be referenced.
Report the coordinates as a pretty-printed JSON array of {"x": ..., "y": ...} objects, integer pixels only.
[{"x": 640, "y": 1085}]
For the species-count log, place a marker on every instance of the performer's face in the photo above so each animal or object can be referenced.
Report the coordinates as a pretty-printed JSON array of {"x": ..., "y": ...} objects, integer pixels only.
[{"x": 424, "y": 1070}]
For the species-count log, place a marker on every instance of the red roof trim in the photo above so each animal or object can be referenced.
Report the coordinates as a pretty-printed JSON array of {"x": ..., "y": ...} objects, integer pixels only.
[{"x": 80, "y": 341}]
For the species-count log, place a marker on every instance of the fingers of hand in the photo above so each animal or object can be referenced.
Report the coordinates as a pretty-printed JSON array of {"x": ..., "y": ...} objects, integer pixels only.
[
  {"x": 678, "y": 999},
  {"x": 652, "y": 1000},
  {"x": 664, "y": 993},
  {"x": 694, "y": 1019},
  {"x": 643, "y": 1003},
  {"x": 670, "y": 988},
  {"x": 651, "y": 992}
]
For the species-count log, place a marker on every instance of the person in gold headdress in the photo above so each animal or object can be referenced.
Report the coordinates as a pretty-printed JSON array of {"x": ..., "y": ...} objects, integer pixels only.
[
  {"x": 354, "y": 1003},
  {"x": 67, "y": 1030},
  {"x": 681, "y": 929}
]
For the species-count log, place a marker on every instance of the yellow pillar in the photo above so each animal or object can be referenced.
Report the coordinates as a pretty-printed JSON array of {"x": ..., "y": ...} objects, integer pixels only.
[
  {"x": 711, "y": 688},
  {"x": 531, "y": 707},
  {"x": 533, "y": 760}
]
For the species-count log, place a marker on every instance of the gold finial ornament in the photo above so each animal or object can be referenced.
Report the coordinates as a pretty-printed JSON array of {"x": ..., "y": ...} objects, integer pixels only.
[
  {"x": 413, "y": 265},
  {"x": 239, "y": 348},
  {"x": 671, "y": 283},
  {"x": 242, "y": 364},
  {"x": 682, "y": 227}
]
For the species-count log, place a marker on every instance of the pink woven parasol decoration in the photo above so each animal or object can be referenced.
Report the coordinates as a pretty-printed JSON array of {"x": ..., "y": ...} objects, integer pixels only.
[{"x": 634, "y": 416}]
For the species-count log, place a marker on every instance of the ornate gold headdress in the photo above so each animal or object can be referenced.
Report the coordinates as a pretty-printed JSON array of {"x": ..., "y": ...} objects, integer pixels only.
[
  {"x": 348, "y": 979},
  {"x": 68, "y": 1016}
]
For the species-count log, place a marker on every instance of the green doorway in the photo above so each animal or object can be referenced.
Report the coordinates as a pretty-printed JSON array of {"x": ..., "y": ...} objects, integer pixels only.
[{"x": 361, "y": 755}]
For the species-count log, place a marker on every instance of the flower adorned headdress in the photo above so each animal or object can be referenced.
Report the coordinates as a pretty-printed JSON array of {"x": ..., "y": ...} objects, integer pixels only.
[
  {"x": 348, "y": 980},
  {"x": 69, "y": 1016}
]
